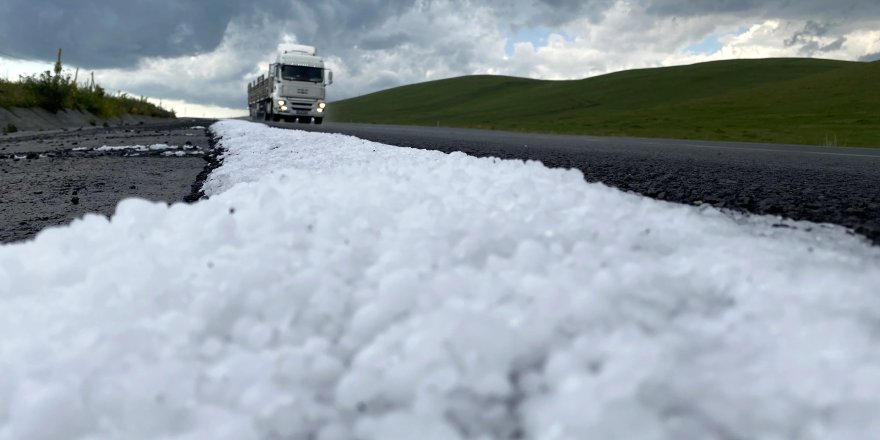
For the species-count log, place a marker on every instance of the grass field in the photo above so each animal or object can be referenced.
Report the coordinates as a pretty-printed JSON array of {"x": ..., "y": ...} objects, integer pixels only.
[{"x": 791, "y": 100}]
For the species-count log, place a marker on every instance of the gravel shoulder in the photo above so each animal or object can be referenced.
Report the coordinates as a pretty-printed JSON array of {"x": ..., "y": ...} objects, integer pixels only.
[{"x": 49, "y": 179}]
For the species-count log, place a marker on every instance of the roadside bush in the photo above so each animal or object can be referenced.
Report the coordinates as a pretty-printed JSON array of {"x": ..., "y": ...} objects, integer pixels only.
[
  {"x": 55, "y": 91},
  {"x": 9, "y": 128},
  {"x": 92, "y": 100},
  {"x": 51, "y": 92},
  {"x": 12, "y": 94}
]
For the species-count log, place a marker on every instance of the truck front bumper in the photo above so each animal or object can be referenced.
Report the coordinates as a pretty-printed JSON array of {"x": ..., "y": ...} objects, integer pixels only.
[{"x": 314, "y": 109}]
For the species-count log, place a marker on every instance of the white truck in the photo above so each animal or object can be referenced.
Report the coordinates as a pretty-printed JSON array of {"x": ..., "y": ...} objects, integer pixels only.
[{"x": 294, "y": 88}]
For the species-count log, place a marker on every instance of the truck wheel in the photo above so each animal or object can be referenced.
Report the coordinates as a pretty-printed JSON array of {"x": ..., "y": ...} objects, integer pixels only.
[{"x": 318, "y": 121}]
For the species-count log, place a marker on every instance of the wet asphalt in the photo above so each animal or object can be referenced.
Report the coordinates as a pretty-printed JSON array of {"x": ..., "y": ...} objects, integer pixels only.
[
  {"x": 820, "y": 184},
  {"x": 49, "y": 179}
]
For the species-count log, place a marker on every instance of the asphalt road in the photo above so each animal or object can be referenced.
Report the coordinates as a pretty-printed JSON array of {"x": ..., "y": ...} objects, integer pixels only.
[
  {"x": 49, "y": 179},
  {"x": 820, "y": 184},
  {"x": 52, "y": 178}
]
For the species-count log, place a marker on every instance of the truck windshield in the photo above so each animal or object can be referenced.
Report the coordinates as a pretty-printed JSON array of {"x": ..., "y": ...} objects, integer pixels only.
[{"x": 302, "y": 73}]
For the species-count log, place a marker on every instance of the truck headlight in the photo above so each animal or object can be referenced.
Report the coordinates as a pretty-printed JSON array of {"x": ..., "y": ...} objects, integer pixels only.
[
  {"x": 281, "y": 102},
  {"x": 320, "y": 110},
  {"x": 284, "y": 108},
  {"x": 321, "y": 105}
]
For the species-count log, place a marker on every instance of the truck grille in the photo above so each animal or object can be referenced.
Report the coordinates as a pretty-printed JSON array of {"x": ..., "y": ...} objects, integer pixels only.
[{"x": 299, "y": 105}]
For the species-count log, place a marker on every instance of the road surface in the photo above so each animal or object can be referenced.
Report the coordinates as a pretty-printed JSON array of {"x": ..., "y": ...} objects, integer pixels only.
[{"x": 50, "y": 179}]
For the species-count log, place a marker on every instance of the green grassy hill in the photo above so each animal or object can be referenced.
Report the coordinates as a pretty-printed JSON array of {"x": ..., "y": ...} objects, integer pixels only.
[{"x": 792, "y": 100}]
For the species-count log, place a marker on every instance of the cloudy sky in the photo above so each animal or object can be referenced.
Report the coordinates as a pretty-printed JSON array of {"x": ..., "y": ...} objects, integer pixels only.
[{"x": 198, "y": 55}]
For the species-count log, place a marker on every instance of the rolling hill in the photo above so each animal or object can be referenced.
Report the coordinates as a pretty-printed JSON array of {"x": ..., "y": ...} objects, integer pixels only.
[{"x": 782, "y": 100}]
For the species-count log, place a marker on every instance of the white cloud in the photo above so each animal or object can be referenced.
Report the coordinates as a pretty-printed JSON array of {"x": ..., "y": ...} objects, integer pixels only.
[
  {"x": 626, "y": 38},
  {"x": 11, "y": 69},
  {"x": 629, "y": 37},
  {"x": 436, "y": 41},
  {"x": 193, "y": 110},
  {"x": 216, "y": 78}
]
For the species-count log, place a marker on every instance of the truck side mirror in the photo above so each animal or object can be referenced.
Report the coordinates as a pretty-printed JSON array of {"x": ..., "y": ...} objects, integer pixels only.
[{"x": 329, "y": 77}]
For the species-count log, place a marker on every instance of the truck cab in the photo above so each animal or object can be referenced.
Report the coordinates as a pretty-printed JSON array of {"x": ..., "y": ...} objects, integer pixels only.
[{"x": 295, "y": 88}]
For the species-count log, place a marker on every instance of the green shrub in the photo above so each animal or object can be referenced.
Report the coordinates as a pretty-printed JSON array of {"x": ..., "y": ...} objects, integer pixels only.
[
  {"x": 9, "y": 128},
  {"x": 56, "y": 91},
  {"x": 52, "y": 92},
  {"x": 92, "y": 100}
]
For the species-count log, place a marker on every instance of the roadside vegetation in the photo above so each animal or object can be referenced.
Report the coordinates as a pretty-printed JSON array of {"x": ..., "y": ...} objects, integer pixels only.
[
  {"x": 56, "y": 90},
  {"x": 801, "y": 101}
]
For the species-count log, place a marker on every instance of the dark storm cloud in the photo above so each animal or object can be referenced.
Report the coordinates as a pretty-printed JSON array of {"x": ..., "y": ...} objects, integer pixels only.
[
  {"x": 790, "y": 9},
  {"x": 811, "y": 48},
  {"x": 699, "y": 7},
  {"x": 807, "y": 41},
  {"x": 811, "y": 29},
  {"x": 336, "y": 27},
  {"x": 380, "y": 42},
  {"x": 871, "y": 57},
  {"x": 834, "y": 45},
  {"x": 824, "y": 19},
  {"x": 556, "y": 12},
  {"x": 112, "y": 33},
  {"x": 519, "y": 14}
]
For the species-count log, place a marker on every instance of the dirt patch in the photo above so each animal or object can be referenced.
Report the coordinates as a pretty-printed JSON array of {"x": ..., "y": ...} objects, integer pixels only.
[{"x": 51, "y": 179}]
